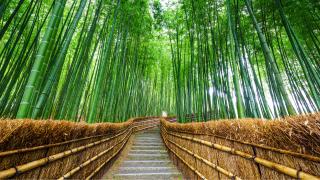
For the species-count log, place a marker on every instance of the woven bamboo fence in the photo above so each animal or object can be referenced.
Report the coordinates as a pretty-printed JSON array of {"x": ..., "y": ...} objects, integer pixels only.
[
  {"x": 206, "y": 151},
  {"x": 59, "y": 149}
]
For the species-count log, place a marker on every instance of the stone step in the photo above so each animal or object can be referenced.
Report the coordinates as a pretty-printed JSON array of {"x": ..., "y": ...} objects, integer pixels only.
[
  {"x": 148, "y": 147},
  {"x": 147, "y": 141},
  {"x": 147, "y": 159},
  {"x": 146, "y": 163},
  {"x": 147, "y": 137},
  {"x": 154, "y": 133},
  {"x": 147, "y": 144},
  {"x": 148, "y": 151},
  {"x": 147, "y": 156},
  {"x": 159, "y": 143},
  {"x": 149, "y": 176},
  {"x": 140, "y": 170}
]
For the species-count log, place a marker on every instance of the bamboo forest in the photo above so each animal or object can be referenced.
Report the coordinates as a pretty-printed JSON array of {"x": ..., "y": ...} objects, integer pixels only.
[{"x": 159, "y": 89}]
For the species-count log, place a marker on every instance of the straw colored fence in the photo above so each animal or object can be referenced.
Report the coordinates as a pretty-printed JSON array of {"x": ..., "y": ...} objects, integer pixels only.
[
  {"x": 204, "y": 151},
  {"x": 59, "y": 149}
]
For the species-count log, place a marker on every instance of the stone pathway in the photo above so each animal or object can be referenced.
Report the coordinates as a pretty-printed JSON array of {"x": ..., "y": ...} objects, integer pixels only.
[{"x": 147, "y": 159}]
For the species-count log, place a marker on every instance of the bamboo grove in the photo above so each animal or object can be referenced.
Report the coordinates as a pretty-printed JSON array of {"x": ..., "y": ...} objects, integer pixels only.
[
  {"x": 242, "y": 58},
  {"x": 80, "y": 60},
  {"x": 109, "y": 60}
]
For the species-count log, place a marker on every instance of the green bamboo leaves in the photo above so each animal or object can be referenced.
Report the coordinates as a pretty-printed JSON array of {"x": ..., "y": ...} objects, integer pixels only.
[
  {"x": 81, "y": 59},
  {"x": 235, "y": 53},
  {"x": 109, "y": 60}
]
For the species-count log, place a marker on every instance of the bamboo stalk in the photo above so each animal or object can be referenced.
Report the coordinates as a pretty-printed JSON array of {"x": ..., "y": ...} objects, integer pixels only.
[{"x": 275, "y": 166}]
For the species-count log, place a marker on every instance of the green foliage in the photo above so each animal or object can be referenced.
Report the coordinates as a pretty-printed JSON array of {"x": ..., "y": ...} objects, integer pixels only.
[
  {"x": 235, "y": 59},
  {"x": 99, "y": 64},
  {"x": 108, "y": 60}
]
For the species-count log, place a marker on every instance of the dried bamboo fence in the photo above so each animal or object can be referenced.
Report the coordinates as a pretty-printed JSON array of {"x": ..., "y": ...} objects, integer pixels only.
[
  {"x": 59, "y": 149},
  {"x": 245, "y": 148}
]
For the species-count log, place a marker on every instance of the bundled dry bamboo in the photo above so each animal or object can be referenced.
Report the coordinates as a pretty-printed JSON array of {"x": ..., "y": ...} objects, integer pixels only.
[
  {"x": 247, "y": 159},
  {"x": 75, "y": 170},
  {"x": 185, "y": 162},
  {"x": 81, "y": 140},
  {"x": 214, "y": 166}
]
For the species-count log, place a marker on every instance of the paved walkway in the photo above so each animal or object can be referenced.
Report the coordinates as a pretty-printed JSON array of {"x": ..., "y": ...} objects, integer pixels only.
[{"x": 147, "y": 159}]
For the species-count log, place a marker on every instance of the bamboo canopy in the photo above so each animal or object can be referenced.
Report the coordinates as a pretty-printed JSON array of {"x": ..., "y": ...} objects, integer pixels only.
[{"x": 99, "y": 61}]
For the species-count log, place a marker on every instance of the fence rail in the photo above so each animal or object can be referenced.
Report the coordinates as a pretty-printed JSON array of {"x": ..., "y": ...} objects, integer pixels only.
[
  {"x": 180, "y": 141},
  {"x": 100, "y": 152}
]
